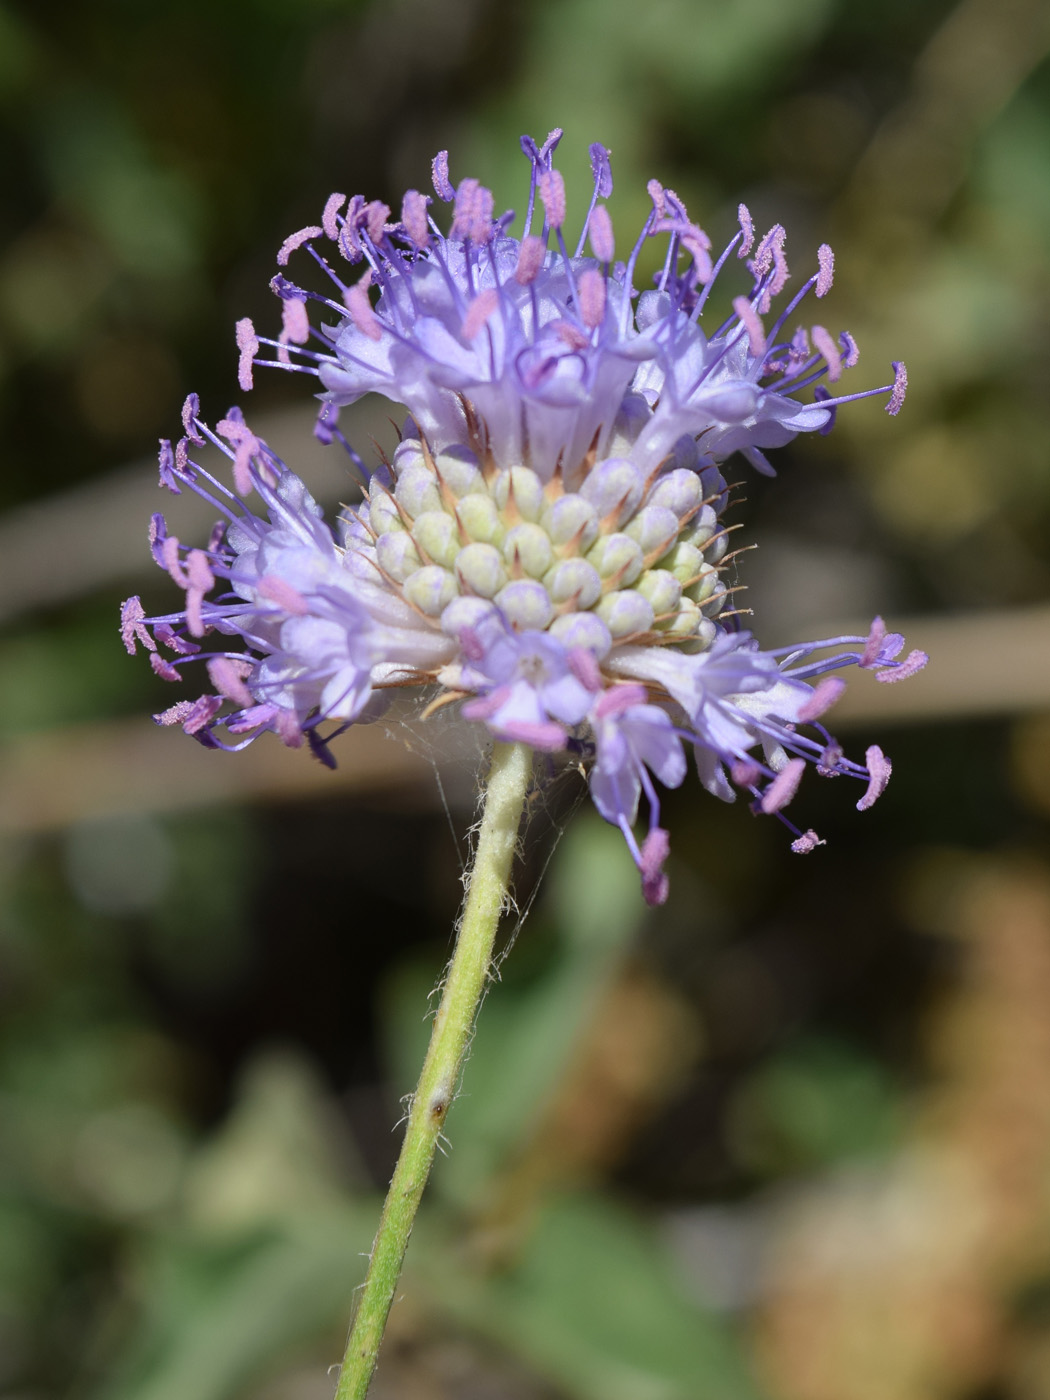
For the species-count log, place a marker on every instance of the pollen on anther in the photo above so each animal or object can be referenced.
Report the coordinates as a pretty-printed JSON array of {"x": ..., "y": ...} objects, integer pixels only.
[
  {"x": 747, "y": 229},
  {"x": 826, "y": 275},
  {"x": 295, "y": 321},
  {"x": 600, "y": 231},
  {"x": 414, "y": 218},
  {"x": 479, "y": 311},
  {"x": 296, "y": 240},
  {"x": 591, "y": 288},
  {"x": 552, "y": 193},
  {"x": 332, "y": 206},
  {"x": 530, "y": 259},
  {"x": 360, "y": 309},
  {"x": 825, "y": 343},
  {"x": 784, "y": 786},
  {"x": 900, "y": 388},
  {"x": 752, "y": 323},
  {"x": 248, "y": 345}
]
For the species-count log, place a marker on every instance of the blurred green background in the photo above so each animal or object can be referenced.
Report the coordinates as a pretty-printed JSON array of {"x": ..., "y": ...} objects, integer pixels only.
[{"x": 787, "y": 1137}]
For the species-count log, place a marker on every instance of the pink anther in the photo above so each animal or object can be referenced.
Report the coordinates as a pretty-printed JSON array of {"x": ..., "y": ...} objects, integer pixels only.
[
  {"x": 824, "y": 696},
  {"x": 808, "y": 841},
  {"x": 900, "y": 388},
  {"x": 752, "y": 323},
  {"x": 329, "y": 222},
  {"x": 530, "y": 259},
  {"x": 552, "y": 193},
  {"x": 879, "y": 770},
  {"x": 414, "y": 218},
  {"x": 826, "y": 274},
  {"x": 591, "y": 289},
  {"x": 295, "y": 320},
  {"x": 296, "y": 240},
  {"x": 360, "y": 309},
  {"x": 825, "y": 343},
  {"x": 600, "y": 231},
  {"x": 747, "y": 228},
  {"x": 276, "y": 590},
  {"x": 248, "y": 345},
  {"x": 784, "y": 786},
  {"x": 479, "y": 311}
]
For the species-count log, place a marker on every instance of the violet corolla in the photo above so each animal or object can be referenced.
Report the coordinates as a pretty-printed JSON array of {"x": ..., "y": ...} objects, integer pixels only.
[{"x": 546, "y": 544}]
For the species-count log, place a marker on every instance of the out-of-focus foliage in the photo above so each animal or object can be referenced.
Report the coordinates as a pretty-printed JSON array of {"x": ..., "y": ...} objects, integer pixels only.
[{"x": 789, "y": 1137}]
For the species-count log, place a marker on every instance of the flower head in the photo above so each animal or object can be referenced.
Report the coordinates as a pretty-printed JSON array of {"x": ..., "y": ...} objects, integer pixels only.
[{"x": 546, "y": 544}]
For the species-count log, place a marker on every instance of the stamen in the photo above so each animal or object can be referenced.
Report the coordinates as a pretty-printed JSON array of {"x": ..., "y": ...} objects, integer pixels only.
[
  {"x": 591, "y": 295},
  {"x": 163, "y": 668},
  {"x": 296, "y": 240},
  {"x": 530, "y": 259},
  {"x": 752, "y": 323},
  {"x": 132, "y": 626},
  {"x": 552, "y": 193},
  {"x": 376, "y": 215},
  {"x": 248, "y": 345},
  {"x": 850, "y": 349},
  {"x": 276, "y": 590},
  {"x": 600, "y": 230},
  {"x": 295, "y": 321},
  {"x": 228, "y": 679},
  {"x": 175, "y": 714},
  {"x": 827, "y": 347},
  {"x": 360, "y": 309},
  {"x": 910, "y": 666},
  {"x": 617, "y": 698},
  {"x": 873, "y": 645},
  {"x": 808, "y": 841},
  {"x": 824, "y": 696},
  {"x": 478, "y": 312},
  {"x": 656, "y": 194},
  {"x": 826, "y": 275},
  {"x": 900, "y": 388},
  {"x": 414, "y": 218},
  {"x": 439, "y": 174},
  {"x": 655, "y": 849},
  {"x": 332, "y": 206},
  {"x": 201, "y": 579},
  {"x": 784, "y": 786},
  {"x": 747, "y": 229},
  {"x": 585, "y": 668},
  {"x": 472, "y": 218},
  {"x": 879, "y": 770}
]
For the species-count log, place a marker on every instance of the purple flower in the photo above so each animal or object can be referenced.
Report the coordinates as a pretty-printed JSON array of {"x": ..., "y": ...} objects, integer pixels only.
[{"x": 546, "y": 545}]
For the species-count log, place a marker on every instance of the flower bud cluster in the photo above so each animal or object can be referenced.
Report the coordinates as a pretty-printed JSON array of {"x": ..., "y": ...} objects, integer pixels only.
[{"x": 628, "y": 555}]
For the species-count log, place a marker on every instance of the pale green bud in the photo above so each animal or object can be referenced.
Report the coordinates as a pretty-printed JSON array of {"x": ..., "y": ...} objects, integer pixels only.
[
  {"x": 430, "y": 589},
  {"x": 661, "y": 588},
  {"x": 529, "y": 497},
  {"x": 437, "y": 537},
  {"x": 566, "y": 517},
  {"x": 617, "y": 557},
  {"x": 480, "y": 570},
  {"x": 480, "y": 517},
  {"x": 532, "y": 546},
  {"x": 397, "y": 554},
  {"x": 574, "y": 580},
  {"x": 625, "y": 612}
]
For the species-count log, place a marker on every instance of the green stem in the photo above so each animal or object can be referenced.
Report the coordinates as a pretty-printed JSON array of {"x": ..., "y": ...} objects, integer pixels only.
[{"x": 508, "y": 783}]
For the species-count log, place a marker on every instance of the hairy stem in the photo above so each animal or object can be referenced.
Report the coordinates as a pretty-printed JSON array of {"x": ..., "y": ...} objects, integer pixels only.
[{"x": 506, "y": 789}]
